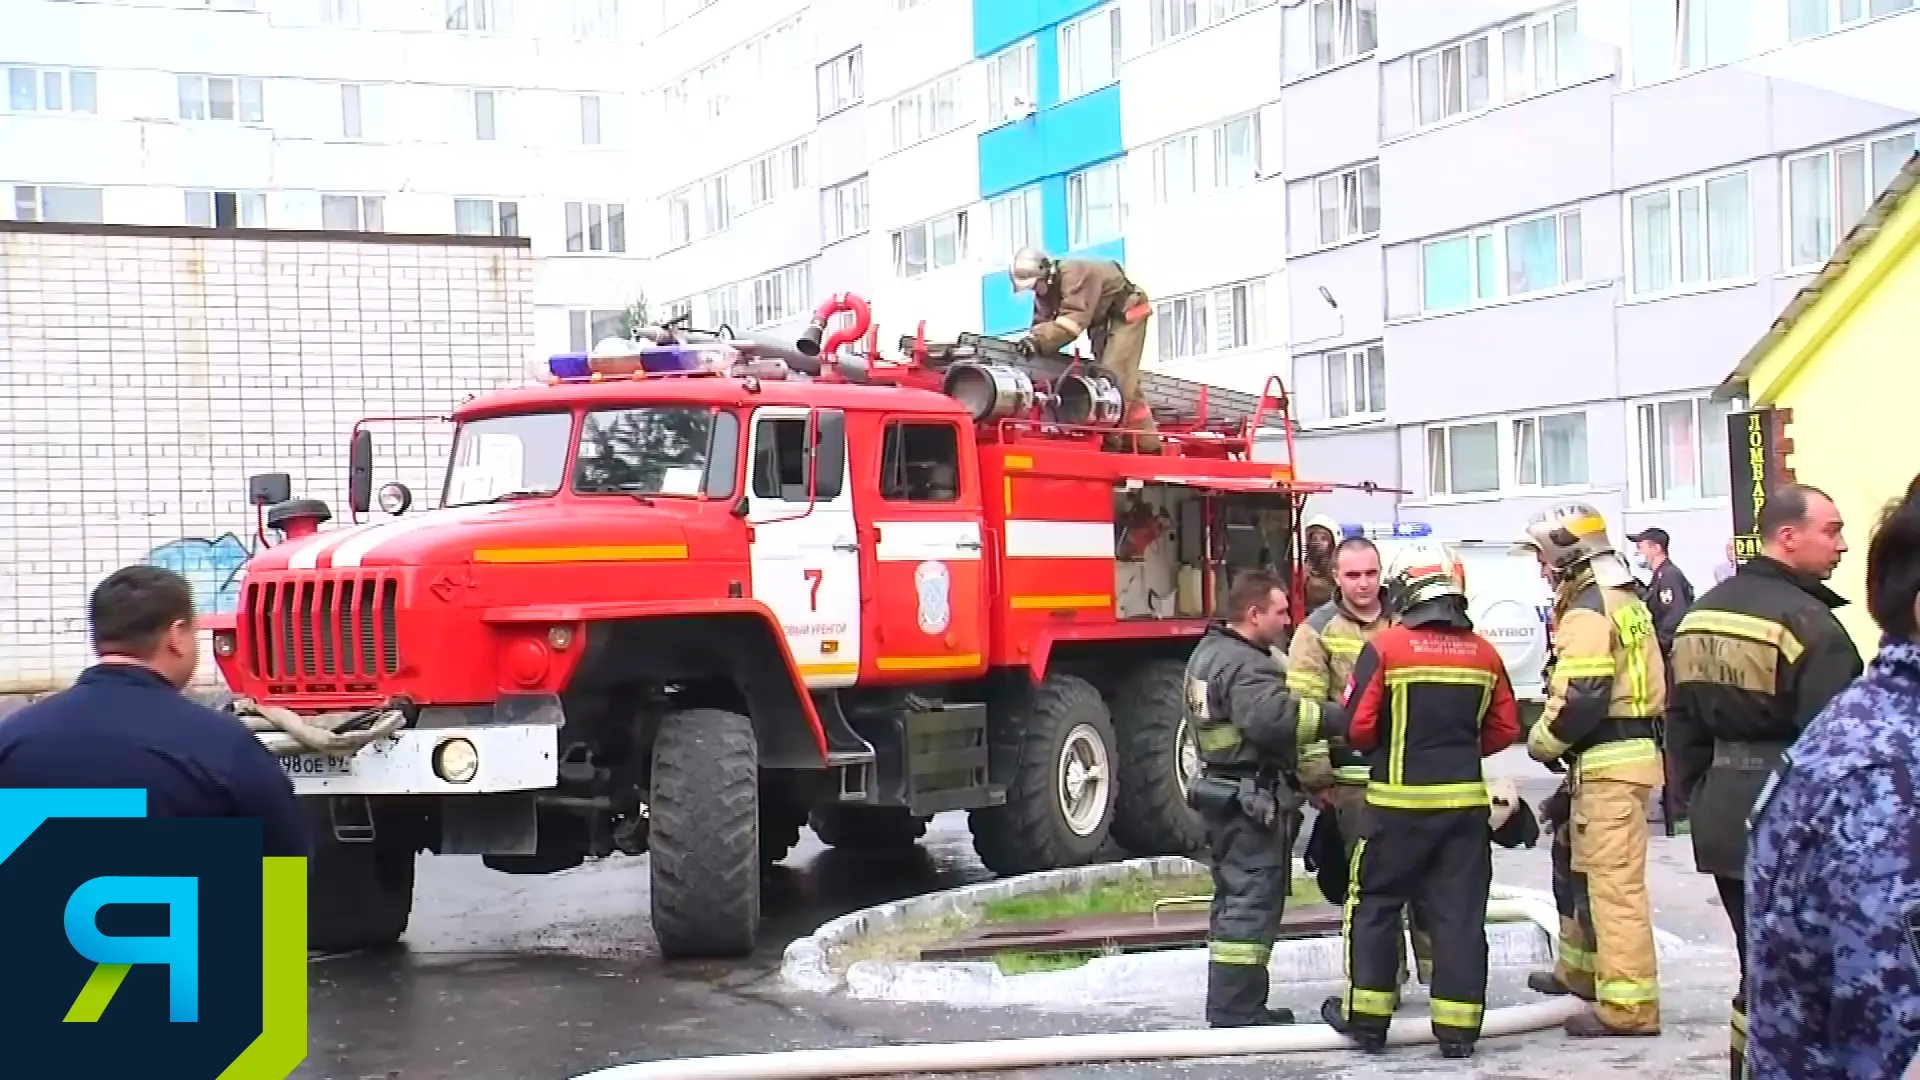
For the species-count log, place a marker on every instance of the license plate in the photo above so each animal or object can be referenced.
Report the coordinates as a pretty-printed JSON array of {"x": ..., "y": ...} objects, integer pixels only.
[{"x": 317, "y": 765}]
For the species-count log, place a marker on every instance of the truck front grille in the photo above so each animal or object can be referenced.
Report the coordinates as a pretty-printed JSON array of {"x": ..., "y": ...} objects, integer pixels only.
[{"x": 340, "y": 626}]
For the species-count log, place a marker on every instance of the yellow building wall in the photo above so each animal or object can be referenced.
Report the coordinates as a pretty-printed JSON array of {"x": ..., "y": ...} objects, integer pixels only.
[{"x": 1856, "y": 428}]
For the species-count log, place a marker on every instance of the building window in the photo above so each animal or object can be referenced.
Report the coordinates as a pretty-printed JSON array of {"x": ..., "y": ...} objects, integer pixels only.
[
  {"x": 1229, "y": 152},
  {"x": 1348, "y": 203},
  {"x": 1681, "y": 450},
  {"x": 52, "y": 90},
  {"x": 716, "y": 89},
  {"x": 679, "y": 219},
  {"x": 1667, "y": 37},
  {"x": 587, "y": 328},
  {"x": 596, "y": 19},
  {"x": 1010, "y": 83},
  {"x": 1090, "y": 52},
  {"x": 477, "y": 15},
  {"x": 485, "y": 217},
  {"x": 352, "y": 124},
  {"x": 920, "y": 462},
  {"x": 1356, "y": 383},
  {"x": 723, "y": 307},
  {"x": 1343, "y": 30},
  {"x": 340, "y": 12},
  {"x": 678, "y": 310},
  {"x": 716, "y": 209},
  {"x": 1537, "y": 54},
  {"x": 1829, "y": 191},
  {"x": 227, "y": 209},
  {"x": 1550, "y": 450},
  {"x": 597, "y": 227},
  {"x": 1691, "y": 233},
  {"x": 1014, "y": 219},
  {"x": 782, "y": 294},
  {"x": 589, "y": 119},
  {"x": 1452, "y": 81},
  {"x": 42, "y": 203},
  {"x": 1212, "y": 321},
  {"x": 1520, "y": 257},
  {"x": 930, "y": 110},
  {"x": 841, "y": 85},
  {"x": 930, "y": 245},
  {"x": 1096, "y": 210},
  {"x": 1236, "y": 152},
  {"x": 1169, "y": 19},
  {"x": 1176, "y": 168},
  {"x": 353, "y": 213},
  {"x": 1463, "y": 459},
  {"x": 484, "y": 105},
  {"x": 1811, "y": 18},
  {"x": 843, "y": 209},
  {"x": 219, "y": 97}
]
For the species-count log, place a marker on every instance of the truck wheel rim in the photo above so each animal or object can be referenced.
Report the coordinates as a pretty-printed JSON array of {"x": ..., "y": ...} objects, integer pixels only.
[
  {"x": 1082, "y": 778},
  {"x": 1186, "y": 762}
]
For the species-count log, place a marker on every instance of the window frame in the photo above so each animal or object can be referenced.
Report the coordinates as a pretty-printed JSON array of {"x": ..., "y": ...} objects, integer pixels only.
[
  {"x": 1499, "y": 236},
  {"x": 897, "y": 244},
  {"x": 827, "y": 77},
  {"x": 585, "y": 320},
  {"x": 906, "y": 499},
  {"x": 1530, "y": 29},
  {"x": 366, "y": 208},
  {"x": 1000, "y": 111},
  {"x": 1175, "y": 314},
  {"x": 39, "y": 200},
  {"x": 239, "y": 90},
  {"x": 1357, "y": 212},
  {"x": 778, "y": 295},
  {"x": 611, "y": 225},
  {"x": 1676, "y": 285},
  {"x": 1836, "y": 21},
  {"x": 1205, "y": 14},
  {"x": 835, "y": 209},
  {"x": 487, "y": 129},
  {"x": 243, "y": 202},
  {"x": 1681, "y": 58},
  {"x": 925, "y": 101},
  {"x": 1001, "y": 219},
  {"x": 593, "y": 128},
  {"x": 1831, "y": 176},
  {"x": 1535, "y": 422},
  {"x": 1369, "y": 355},
  {"x": 497, "y": 217},
  {"x": 40, "y": 77},
  {"x": 1641, "y": 463},
  {"x": 1079, "y": 222},
  {"x": 1507, "y": 450},
  {"x": 491, "y": 12},
  {"x": 1346, "y": 30},
  {"x": 1070, "y": 46},
  {"x": 1438, "y": 54}
]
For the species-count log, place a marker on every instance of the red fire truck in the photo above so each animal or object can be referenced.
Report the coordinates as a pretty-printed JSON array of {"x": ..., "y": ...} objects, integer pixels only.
[{"x": 688, "y": 611}]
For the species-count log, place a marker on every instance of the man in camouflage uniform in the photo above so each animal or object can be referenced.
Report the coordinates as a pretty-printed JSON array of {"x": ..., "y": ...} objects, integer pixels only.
[
  {"x": 1833, "y": 879},
  {"x": 1606, "y": 694},
  {"x": 1096, "y": 298},
  {"x": 1319, "y": 663}
]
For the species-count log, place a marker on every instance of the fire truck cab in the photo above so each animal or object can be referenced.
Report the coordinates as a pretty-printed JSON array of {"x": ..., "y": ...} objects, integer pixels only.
[{"x": 687, "y": 612}]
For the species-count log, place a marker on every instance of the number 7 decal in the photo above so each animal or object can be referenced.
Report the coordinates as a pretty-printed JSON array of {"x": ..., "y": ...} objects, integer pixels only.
[{"x": 813, "y": 592}]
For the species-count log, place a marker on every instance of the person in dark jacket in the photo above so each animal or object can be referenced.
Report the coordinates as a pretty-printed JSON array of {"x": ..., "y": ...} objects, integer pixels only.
[
  {"x": 1669, "y": 593},
  {"x": 1250, "y": 731},
  {"x": 1833, "y": 881},
  {"x": 1757, "y": 658},
  {"x": 125, "y": 724},
  {"x": 1428, "y": 700},
  {"x": 1095, "y": 297}
]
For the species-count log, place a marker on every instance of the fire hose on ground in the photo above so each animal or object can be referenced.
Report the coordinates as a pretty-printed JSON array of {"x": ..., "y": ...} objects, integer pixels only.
[
  {"x": 1062, "y": 1050},
  {"x": 286, "y": 733}
]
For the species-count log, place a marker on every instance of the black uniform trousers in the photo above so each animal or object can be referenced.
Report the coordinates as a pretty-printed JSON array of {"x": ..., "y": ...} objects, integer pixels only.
[
  {"x": 1252, "y": 874},
  {"x": 1440, "y": 862},
  {"x": 1733, "y": 897}
]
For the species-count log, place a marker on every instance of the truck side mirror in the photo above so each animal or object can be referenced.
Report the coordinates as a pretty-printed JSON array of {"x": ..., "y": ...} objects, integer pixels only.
[
  {"x": 827, "y": 463},
  {"x": 269, "y": 489},
  {"x": 360, "y": 472}
]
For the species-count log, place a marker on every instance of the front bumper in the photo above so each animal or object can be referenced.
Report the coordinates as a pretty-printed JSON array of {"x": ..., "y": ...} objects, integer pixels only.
[{"x": 512, "y": 757}]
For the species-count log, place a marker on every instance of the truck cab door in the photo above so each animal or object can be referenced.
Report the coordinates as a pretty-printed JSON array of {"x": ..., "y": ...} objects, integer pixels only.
[
  {"x": 805, "y": 563},
  {"x": 928, "y": 621}
]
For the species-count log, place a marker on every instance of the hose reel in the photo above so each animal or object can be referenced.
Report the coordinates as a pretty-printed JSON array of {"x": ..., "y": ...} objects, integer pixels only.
[
  {"x": 989, "y": 391},
  {"x": 1088, "y": 400}
]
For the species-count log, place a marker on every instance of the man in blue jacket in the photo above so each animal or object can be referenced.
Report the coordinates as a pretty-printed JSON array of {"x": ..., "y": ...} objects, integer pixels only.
[{"x": 125, "y": 724}]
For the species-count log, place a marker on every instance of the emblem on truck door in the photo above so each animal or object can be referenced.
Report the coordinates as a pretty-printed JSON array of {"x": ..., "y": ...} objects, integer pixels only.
[{"x": 934, "y": 586}]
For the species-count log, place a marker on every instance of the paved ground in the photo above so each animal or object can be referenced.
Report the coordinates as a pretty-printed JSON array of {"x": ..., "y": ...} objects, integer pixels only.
[{"x": 534, "y": 978}]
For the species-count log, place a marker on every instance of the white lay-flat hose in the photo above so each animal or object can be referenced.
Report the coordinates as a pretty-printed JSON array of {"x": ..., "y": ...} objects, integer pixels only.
[{"x": 1056, "y": 1050}]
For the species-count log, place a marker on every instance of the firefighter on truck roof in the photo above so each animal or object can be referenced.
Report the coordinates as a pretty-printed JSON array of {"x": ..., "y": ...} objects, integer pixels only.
[
  {"x": 1607, "y": 691},
  {"x": 1428, "y": 699},
  {"x": 1249, "y": 730},
  {"x": 1319, "y": 662},
  {"x": 1094, "y": 297}
]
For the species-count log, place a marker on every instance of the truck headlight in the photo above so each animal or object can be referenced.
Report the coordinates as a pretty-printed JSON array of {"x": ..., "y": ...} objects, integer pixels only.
[
  {"x": 223, "y": 643},
  {"x": 456, "y": 761}
]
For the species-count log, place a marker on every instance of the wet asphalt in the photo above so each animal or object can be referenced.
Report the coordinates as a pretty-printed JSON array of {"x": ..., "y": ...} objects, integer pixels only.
[{"x": 547, "y": 978}]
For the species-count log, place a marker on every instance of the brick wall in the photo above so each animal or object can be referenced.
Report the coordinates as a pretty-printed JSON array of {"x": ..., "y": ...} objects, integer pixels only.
[{"x": 146, "y": 372}]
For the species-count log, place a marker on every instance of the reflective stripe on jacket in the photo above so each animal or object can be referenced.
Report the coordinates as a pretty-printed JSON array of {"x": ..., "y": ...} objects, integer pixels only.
[
  {"x": 1607, "y": 687},
  {"x": 1319, "y": 665},
  {"x": 1237, "y": 701},
  {"x": 1428, "y": 703}
]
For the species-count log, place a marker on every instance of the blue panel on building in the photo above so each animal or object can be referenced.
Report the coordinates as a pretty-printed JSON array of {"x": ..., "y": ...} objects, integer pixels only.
[
  {"x": 1055, "y": 140},
  {"x": 1003, "y": 311},
  {"x": 999, "y": 23}
]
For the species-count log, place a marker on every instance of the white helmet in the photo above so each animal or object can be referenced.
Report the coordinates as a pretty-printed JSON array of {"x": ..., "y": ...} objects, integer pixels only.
[
  {"x": 1424, "y": 570},
  {"x": 1030, "y": 267}
]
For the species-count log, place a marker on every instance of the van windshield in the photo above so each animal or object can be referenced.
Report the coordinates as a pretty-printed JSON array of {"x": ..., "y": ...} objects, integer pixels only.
[{"x": 505, "y": 456}]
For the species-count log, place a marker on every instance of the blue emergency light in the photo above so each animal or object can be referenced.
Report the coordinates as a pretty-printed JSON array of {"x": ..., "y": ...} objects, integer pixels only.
[
  {"x": 654, "y": 360},
  {"x": 1399, "y": 530}
]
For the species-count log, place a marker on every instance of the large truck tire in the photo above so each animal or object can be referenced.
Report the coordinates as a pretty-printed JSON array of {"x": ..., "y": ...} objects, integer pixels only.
[
  {"x": 1158, "y": 760},
  {"x": 1060, "y": 794},
  {"x": 359, "y": 895},
  {"x": 704, "y": 842},
  {"x": 867, "y": 828}
]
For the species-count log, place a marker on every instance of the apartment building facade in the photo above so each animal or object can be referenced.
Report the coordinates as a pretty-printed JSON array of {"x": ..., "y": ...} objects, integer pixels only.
[{"x": 412, "y": 116}]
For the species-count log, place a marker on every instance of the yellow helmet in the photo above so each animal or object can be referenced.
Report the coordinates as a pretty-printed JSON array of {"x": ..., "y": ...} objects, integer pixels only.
[
  {"x": 1569, "y": 535},
  {"x": 1422, "y": 571}
]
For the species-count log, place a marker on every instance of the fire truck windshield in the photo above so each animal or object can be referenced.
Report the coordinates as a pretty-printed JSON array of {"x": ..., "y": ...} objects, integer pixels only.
[
  {"x": 507, "y": 455},
  {"x": 655, "y": 450}
]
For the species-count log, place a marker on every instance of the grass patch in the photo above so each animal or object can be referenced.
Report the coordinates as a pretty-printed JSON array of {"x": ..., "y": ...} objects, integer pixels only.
[
  {"x": 1028, "y": 963},
  {"x": 1134, "y": 894}
]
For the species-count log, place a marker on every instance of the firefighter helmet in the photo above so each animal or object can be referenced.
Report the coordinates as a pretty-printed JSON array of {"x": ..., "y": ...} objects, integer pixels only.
[
  {"x": 1424, "y": 571},
  {"x": 1030, "y": 267},
  {"x": 1571, "y": 535}
]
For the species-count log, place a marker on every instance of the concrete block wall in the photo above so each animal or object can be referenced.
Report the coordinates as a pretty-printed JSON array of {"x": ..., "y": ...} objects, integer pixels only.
[{"x": 145, "y": 373}]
